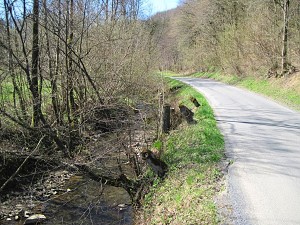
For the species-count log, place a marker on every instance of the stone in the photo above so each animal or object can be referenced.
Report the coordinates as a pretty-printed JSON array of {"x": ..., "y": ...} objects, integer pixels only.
[
  {"x": 122, "y": 207},
  {"x": 26, "y": 214},
  {"x": 34, "y": 219},
  {"x": 19, "y": 206}
]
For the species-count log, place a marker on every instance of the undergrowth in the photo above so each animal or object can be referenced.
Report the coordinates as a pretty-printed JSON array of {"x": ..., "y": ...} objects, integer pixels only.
[{"x": 192, "y": 153}]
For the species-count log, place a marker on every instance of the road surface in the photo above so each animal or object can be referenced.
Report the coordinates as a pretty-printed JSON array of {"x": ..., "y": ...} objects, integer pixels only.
[{"x": 263, "y": 140}]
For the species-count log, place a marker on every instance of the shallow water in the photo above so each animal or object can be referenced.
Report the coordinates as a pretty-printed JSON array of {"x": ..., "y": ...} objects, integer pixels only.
[{"x": 88, "y": 203}]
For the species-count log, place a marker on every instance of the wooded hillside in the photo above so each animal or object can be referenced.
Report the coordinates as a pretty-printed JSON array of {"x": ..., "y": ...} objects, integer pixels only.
[{"x": 260, "y": 37}]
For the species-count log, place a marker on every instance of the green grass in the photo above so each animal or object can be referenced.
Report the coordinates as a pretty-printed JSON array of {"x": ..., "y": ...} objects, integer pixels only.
[
  {"x": 285, "y": 95},
  {"x": 7, "y": 94},
  {"x": 192, "y": 153},
  {"x": 276, "y": 90},
  {"x": 7, "y": 91}
]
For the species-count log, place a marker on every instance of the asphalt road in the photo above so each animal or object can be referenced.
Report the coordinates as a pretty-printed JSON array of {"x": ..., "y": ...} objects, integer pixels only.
[{"x": 263, "y": 140}]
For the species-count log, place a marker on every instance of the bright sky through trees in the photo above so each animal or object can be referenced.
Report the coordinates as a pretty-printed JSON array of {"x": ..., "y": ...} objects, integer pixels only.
[{"x": 161, "y": 5}]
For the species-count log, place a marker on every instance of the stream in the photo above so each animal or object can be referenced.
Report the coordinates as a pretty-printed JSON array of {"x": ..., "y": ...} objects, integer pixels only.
[
  {"x": 89, "y": 204},
  {"x": 84, "y": 202},
  {"x": 72, "y": 199}
]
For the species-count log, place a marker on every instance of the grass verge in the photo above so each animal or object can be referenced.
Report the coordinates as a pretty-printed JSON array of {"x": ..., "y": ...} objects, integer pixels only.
[{"x": 192, "y": 153}]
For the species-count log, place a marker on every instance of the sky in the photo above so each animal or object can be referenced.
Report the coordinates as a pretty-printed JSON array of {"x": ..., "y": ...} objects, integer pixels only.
[
  {"x": 150, "y": 7},
  {"x": 161, "y": 5}
]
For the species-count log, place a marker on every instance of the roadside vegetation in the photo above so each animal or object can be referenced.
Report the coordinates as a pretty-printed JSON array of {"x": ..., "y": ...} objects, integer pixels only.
[{"x": 192, "y": 153}]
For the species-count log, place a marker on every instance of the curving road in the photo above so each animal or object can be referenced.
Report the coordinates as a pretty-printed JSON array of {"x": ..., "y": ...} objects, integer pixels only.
[{"x": 263, "y": 140}]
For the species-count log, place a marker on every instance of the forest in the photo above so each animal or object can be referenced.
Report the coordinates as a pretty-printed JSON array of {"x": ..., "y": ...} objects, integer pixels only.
[
  {"x": 246, "y": 38},
  {"x": 80, "y": 88},
  {"x": 76, "y": 87},
  {"x": 61, "y": 59}
]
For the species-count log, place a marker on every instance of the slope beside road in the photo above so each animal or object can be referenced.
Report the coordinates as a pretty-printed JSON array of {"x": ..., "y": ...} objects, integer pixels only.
[{"x": 262, "y": 138}]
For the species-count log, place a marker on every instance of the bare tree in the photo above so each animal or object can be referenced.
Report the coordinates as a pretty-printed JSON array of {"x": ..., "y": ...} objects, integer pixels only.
[
  {"x": 284, "y": 53},
  {"x": 33, "y": 81},
  {"x": 67, "y": 58}
]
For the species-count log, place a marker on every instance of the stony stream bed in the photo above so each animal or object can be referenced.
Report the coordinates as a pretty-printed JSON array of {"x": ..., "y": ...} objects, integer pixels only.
[
  {"x": 73, "y": 200},
  {"x": 64, "y": 197}
]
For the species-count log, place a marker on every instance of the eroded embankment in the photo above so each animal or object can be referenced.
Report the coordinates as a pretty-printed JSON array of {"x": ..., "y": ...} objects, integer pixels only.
[{"x": 193, "y": 152}]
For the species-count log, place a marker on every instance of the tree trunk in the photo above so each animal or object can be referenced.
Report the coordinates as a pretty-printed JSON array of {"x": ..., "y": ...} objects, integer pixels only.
[
  {"x": 35, "y": 65},
  {"x": 11, "y": 68},
  {"x": 166, "y": 119},
  {"x": 284, "y": 53},
  {"x": 57, "y": 67},
  {"x": 71, "y": 106},
  {"x": 50, "y": 61}
]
